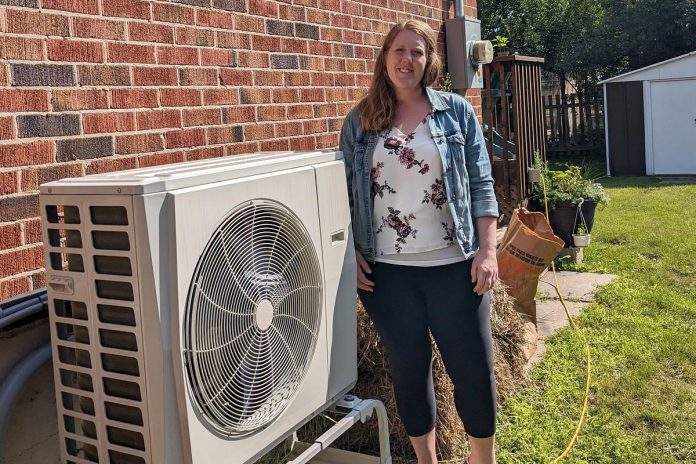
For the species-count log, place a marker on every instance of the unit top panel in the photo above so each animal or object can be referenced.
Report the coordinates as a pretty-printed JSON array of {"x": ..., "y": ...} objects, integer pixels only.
[{"x": 189, "y": 174}]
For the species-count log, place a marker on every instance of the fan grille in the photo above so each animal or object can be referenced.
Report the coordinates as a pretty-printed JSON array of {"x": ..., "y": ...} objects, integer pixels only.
[{"x": 252, "y": 317}]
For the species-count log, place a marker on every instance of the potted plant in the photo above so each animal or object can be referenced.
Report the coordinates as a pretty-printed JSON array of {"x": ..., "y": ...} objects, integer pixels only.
[
  {"x": 501, "y": 43},
  {"x": 572, "y": 196},
  {"x": 581, "y": 237}
]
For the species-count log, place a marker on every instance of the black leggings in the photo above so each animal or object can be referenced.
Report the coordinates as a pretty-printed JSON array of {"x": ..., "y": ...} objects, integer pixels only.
[{"x": 406, "y": 304}]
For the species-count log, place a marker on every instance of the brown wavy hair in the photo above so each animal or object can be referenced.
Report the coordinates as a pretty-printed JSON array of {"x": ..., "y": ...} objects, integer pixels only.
[{"x": 378, "y": 108}]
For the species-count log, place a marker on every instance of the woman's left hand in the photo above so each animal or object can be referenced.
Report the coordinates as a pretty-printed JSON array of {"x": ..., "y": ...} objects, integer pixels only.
[{"x": 484, "y": 271}]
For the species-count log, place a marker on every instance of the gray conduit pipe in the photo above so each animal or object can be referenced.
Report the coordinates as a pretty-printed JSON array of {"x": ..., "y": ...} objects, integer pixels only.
[
  {"x": 12, "y": 387},
  {"x": 23, "y": 306},
  {"x": 458, "y": 8}
]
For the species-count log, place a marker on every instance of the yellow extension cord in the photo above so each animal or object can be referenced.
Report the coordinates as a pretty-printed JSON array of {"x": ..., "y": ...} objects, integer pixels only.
[{"x": 583, "y": 413}]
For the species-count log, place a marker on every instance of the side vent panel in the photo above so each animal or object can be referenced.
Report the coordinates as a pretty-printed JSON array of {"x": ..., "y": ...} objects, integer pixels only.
[{"x": 96, "y": 329}]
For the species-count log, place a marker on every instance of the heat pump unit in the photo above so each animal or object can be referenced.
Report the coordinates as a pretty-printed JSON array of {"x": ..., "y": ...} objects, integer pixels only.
[{"x": 200, "y": 312}]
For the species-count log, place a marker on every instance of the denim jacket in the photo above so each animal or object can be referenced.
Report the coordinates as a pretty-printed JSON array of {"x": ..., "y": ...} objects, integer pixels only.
[{"x": 467, "y": 170}]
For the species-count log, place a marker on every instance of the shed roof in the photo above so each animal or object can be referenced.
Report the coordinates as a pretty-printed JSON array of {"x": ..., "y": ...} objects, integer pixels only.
[{"x": 680, "y": 67}]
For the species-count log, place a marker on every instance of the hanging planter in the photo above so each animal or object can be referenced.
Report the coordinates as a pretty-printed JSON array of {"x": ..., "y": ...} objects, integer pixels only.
[
  {"x": 581, "y": 233},
  {"x": 581, "y": 240}
]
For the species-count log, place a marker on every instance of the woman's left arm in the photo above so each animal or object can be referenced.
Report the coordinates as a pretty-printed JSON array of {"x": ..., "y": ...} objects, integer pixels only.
[{"x": 484, "y": 206}]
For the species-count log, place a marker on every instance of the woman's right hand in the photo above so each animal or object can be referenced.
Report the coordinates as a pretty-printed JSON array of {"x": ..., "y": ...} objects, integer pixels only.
[{"x": 363, "y": 268}]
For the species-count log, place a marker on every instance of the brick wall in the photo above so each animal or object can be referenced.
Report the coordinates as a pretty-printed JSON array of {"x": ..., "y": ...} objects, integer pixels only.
[{"x": 90, "y": 86}]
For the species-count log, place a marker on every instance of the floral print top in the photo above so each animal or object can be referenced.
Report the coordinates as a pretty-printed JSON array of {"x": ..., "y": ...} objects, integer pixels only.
[{"x": 411, "y": 218}]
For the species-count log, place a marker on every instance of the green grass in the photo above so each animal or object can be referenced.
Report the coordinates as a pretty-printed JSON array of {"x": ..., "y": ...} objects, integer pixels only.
[{"x": 642, "y": 334}]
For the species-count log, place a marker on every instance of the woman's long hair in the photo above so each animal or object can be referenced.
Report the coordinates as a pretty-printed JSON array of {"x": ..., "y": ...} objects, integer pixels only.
[{"x": 378, "y": 108}]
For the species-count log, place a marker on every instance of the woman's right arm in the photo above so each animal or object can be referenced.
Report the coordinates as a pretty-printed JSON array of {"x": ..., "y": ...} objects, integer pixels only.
[{"x": 346, "y": 143}]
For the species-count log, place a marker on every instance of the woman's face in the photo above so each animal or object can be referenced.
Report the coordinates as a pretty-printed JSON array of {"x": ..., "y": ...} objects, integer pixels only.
[{"x": 406, "y": 60}]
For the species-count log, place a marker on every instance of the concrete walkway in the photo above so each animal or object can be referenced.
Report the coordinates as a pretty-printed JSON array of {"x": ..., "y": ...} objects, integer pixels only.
[{"x": 577, "y": 288}]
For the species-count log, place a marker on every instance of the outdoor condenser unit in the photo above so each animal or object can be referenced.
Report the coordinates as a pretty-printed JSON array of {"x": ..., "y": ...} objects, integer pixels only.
[{"x": 200, "y": 312}]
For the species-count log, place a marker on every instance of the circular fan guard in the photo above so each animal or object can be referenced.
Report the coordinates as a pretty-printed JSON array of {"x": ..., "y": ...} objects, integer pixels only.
[{"x": 252, "y": 317}]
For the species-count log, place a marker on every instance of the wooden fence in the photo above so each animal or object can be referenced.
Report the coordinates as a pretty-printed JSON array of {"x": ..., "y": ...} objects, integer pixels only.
[{"x": 574, "y": 125}]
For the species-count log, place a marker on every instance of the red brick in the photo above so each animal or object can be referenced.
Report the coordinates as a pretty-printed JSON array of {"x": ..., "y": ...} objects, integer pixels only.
[
  {"x": 126, "y": 8},
  {"x": 220, "y": 97},
  {"x": 216, "y": 57},
  {"x": 366, "y": 53},
  {"x": 335, "y": 64},
  {"x": 292, "y": 13},
  {"x": 326, "y": 141},
  {"x": 205, "y": 153},
  {"x": 335, "y": 94},
  {"x": 356, "y": 66},
  {"x": 14, "y": 287},
  {"x": 3, "y": 75},
  {"x": 7, "y": 128},
  {"x": 177, "y": 55},
  {"x": 148, "y": 32},
  {"x": 249, "y": 95},
  {"x": 300, "y": 111},
  {"x": 71, "y": 50},
  {"x": 319, "y": 48},
  {"x": 71, "y": 100},
  {"x": 214, "y": 19},
  {"x": 76, "y": 6},
  {"x": 253, "y": 59},
  {"x": 185, "y": 138},
  {"x": 236, "y": 77},
  {"x": 33, "y": 177},
  {"x": 271, "y": 113},
  {"x": 312, "y": 95},
  {"x": 191, "y": 36},
  {"x": 245, "y": 22},
  {"x": 263, "y": 8},
  {"x": 32, "y": 232},
  {"x": 96, "y": 123},
  {"x": 173, "y": 13},
  {"x": 130, "y": 53},
  {"x": 315, "y": 63},
  {"x": 21, "y": 48},
  {"x": 241, "y": 148},
  {"x": 111, "y": 164},
  {"x": 159, "y": 119},
  {"x": 285, "y": 96},
  {"x": 17, "y": 207},
  {"x": 224, "y": 134},
  {"x": 293, "y": 45},
  {"x": 160, "y": 158},
  {"x": 238, "y": 114},
  {"x": 27, "y": 154},
  {"x": 258, "y": 131},
  {"x": 154, "y": 76},
  {"x": 198, "y": 76},
  {"x": 303, "y": 143},
  {"x": 8, "y": 182},
  {"x": 288, "y": 129},
  {"x": 274, "y": 145},
  {"x": 321, "y": 79},
  {"x": 330, "y": 34},
  {"x": 234, "y": 40},
  {"x": 10, "y": 236},
  {"x": 18, "y": 261},
  {"x": 134, "y": 98},
  {"x": 314, "y": 126},
  {"x": 180, "y": 97},
  {"x": 98, "y": 28},
  {"x": 139, "y": 143},
  {"x": 266, "y": 43},
  {"x": 37, "y": 23},
  {"x": 268, "y": 78},
  {"x": 341, "y": 20},
  {"x": 202, "y": 117},
  {"x": 352, "y": 8},
  {"x": 98, "y": 75},
  {"x": 38, "y": 280},
  {"x": 318, "y": 17},
  {"x": 297, "y": 78}
]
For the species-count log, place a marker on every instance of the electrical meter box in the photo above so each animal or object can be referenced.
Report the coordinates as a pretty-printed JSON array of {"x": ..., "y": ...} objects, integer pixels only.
[{"x": 466, "y": 52}]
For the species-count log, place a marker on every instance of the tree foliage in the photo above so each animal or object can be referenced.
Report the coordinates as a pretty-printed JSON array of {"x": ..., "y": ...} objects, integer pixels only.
[{"x": 593, "y": 39}]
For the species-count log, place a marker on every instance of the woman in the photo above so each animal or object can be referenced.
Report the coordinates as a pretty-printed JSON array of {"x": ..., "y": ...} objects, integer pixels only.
[{"x": 424, "y": 218}]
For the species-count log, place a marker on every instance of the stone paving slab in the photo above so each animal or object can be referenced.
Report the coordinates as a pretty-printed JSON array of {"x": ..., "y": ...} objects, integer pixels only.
[{"x": 577, "y": 288}]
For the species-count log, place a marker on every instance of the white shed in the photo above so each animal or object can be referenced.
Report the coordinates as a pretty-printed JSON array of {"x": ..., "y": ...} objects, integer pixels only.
[{"x": 650, "y": 119}]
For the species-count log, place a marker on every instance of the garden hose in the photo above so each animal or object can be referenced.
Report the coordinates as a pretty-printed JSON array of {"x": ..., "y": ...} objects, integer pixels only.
[{"x": 583, "y": 413}]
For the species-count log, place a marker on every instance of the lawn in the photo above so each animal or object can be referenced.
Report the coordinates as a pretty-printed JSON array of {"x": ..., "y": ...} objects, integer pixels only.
[{"x": 642, "y": 334}]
